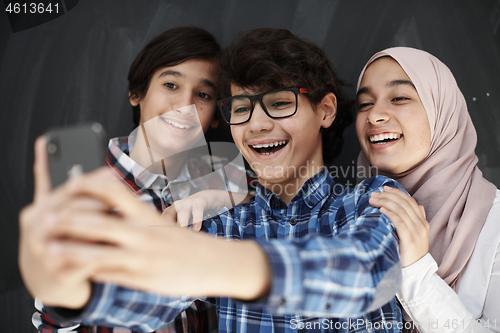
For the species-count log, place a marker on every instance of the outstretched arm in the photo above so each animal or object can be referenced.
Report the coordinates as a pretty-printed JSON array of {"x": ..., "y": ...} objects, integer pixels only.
[{"x": 351, "y": 265}]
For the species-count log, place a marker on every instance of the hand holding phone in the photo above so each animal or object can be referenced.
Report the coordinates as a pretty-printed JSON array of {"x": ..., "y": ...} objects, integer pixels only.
[{"x": 44, "y": 272}]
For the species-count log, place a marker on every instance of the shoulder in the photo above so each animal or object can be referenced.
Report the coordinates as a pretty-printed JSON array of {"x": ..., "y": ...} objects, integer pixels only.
[
  {"x": 361, "y": 193},
  {"x": 353, "y": 202},
  {"x": 377, "y": 183}
]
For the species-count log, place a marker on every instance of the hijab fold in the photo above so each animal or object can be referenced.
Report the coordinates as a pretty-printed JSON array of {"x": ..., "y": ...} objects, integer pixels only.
[{"x": 447, "y": 182}]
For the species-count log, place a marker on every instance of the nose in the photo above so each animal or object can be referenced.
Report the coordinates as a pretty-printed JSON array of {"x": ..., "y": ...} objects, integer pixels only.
[
  {"x": 378, "y": 114},
  {"x": 182, "y": 103},
  {"x": 260, "y": 121}
]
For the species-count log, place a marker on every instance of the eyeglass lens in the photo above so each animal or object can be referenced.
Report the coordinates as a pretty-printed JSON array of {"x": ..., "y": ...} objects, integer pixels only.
[{"x": 279, "y": 104}]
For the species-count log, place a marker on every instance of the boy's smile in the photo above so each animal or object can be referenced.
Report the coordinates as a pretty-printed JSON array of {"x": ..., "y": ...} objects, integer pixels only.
[
  {"x": 267, "y": 147},
  {"x": 178, "y": 123},
  {"x": 285, "y": 152}
]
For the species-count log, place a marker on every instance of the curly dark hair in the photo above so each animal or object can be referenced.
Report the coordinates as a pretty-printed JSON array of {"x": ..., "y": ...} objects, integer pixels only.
[
  {"x": 170, "y": 48},
  {"x": 267, "y": 58}
]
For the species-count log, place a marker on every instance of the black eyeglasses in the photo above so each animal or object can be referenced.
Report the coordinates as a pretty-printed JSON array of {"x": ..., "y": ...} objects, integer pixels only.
[{"x": 280, "y": 103}]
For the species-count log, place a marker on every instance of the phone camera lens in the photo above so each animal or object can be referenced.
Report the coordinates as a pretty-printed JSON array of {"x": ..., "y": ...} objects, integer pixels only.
[
  {"x": 52, "y": 148},
  {"x": 96, "y": 127}
]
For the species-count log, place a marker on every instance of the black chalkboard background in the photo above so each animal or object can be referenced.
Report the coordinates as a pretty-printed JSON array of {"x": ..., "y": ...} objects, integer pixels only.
[{"x": 73, "y": 69}]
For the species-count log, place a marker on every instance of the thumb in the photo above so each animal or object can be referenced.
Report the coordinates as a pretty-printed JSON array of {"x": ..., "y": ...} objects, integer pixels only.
[
  {"x": 422, "y": 209},
  {"x": 41, "y": 169},
  {"x": 170, "y": 213}
]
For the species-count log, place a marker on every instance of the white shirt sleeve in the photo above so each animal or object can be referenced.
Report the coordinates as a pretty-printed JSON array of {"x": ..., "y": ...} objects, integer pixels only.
[{"x": 435, "y": 307}]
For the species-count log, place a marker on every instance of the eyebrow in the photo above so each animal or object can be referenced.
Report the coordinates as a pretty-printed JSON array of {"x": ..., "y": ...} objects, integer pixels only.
[
  {"x": 364, "y": 90},
  {"x": 399, "y": 82},
  {"x": 209, "y": 83},
  {"x": 205, "y": 82},
  {"x": 393, "y": 83},
  {"x": 170, "y": 72}
]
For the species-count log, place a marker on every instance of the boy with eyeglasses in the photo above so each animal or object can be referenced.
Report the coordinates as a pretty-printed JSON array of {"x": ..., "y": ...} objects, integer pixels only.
[{"x": 312, "y": 254}]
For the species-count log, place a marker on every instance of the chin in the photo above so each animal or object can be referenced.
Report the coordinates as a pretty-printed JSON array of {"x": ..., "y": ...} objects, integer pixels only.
[{"x": 381, "y": 168}]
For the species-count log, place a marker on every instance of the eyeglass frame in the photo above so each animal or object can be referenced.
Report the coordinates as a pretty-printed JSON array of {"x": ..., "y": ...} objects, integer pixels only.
[{"x": 258, "y": 97}]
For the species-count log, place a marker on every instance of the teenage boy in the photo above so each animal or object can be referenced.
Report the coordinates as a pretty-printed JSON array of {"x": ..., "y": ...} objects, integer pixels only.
[
  {"x": 310, "y": 250},
  {"x": 176, "y": 71}
]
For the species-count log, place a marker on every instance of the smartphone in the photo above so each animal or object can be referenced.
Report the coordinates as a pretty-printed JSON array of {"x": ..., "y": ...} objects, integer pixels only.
[{"x": 75, "y": 150}]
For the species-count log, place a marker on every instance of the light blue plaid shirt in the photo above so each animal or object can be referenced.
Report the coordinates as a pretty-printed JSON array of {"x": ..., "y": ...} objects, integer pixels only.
[{"x": 332, "y": 256}]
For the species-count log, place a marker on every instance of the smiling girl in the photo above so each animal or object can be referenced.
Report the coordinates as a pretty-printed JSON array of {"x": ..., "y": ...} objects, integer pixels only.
[{"x": 413, "y": 125}]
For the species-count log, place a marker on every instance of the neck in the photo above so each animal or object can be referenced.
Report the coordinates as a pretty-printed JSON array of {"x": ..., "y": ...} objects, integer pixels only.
[{"x": 292, "y": 182}]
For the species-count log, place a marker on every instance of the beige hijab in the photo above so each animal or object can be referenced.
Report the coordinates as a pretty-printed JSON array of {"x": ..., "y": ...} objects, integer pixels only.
[{"x": 447, "y": 182}]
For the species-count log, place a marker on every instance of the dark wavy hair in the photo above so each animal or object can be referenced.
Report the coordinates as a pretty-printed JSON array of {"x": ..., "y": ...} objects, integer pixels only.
[
  {"x": 170, "y": 48},
  {"x": 267, "y": 58}
]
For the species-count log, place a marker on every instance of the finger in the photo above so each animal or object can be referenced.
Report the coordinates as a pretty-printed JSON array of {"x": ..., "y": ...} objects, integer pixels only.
[
  {"x": 41, "y": 169},
  {"x": 183, "y": 214},
  {"x": 103, "y": 185},
  {"x": 406, "y": 197},
  {"x": 197, "y": 215},
  {"x": 417, "y": 212},
  {"x": 422, "y": 209},
  {"x": 400, "y": 209},
  {"x": 397, "y": 202},
  {"x": 169, "y": 217},
  {"x": 120, "y": 277},
  {"x": 94, "y": 227},
  {"x": 93, "y": 257},
  {"x": 396, "y": 191},
  {"x": 197, "y": 226},
  {"x": 63, "y": 196},
  {"x": 170, "y": 213},
  {"x": 402, "y": 229},
  {"x": 84, "y": 204}
]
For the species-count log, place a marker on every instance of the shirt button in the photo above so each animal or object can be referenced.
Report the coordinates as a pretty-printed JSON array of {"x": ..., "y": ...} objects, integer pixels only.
[
  {"x": 327, "y": 307},
  {"x": 293, "y": 221},
  {"x": 277, "y": 203},
  {"x": 282, "y": 301},
  {"x": 301, "y": 330},
  {"x": 311, "y": 203}
]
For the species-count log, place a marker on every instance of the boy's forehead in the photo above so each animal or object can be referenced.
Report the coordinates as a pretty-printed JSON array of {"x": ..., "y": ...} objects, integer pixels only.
[
  {"x": 237, "y": 90},
  {"x": 200, "y": 71}
]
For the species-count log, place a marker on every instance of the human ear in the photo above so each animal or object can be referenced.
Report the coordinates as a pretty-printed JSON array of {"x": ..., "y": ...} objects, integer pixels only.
[
  {"x": 134, "y": 100},
  {"x": 328, "y": 106}
]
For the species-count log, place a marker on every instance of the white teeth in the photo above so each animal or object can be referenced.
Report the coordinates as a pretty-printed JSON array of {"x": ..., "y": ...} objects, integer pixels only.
[
  {"x": 384, "y": 136},
  {"x": 269, "y": 145},
  {"x": 170, "y": 122}
]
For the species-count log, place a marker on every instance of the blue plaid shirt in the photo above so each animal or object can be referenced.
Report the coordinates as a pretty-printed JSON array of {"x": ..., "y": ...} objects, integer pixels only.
[{"x": 332, "y": 256}]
